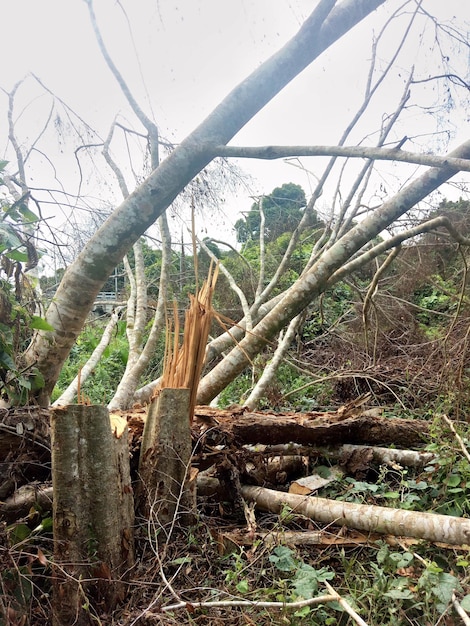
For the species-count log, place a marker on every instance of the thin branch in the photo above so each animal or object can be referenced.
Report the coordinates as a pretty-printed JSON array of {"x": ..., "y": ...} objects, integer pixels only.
[
  {"x": 363, "y": 152},
  {"x": 458, "y": 437},
  {"x": 460, "y": 611},
  {"x": 252, "y": 603},
  {"x": 346, "y": 606}
]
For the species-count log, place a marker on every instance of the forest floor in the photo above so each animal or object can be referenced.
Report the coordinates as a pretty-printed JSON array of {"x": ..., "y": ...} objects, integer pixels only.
[{"x": 239, "y": 564}]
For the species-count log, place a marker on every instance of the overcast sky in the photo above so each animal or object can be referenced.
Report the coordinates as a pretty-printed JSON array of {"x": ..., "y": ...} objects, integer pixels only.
[{"x": 185, "y": 55}]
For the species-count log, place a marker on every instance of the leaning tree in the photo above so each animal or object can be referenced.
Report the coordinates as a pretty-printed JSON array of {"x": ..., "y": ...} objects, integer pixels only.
[{"x": 351, "y": 228}]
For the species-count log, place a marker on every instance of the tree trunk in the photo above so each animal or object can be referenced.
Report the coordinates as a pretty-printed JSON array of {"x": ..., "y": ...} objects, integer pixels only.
[
  {"x": 92, "y": 513},
  {"x": 429, "y": 526},
  {"x": 165, "y": 460},
  {"x": 318, "y": 429}
]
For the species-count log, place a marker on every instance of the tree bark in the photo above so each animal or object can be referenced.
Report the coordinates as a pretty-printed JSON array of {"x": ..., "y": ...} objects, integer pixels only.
[
  {"x": 429, "y": 526},
  {"x": 92, "y": 523},
  {"x": 69, "y": 394},
  {"x": 314, "y": 428},
  {"x": 164, "y": 491}
]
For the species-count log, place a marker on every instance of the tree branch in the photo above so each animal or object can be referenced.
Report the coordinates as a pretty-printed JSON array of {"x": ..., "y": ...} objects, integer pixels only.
[{"x": 363, "y": 152}]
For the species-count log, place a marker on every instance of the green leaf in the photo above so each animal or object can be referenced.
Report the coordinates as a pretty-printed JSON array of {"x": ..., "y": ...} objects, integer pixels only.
[
  {"x": 7, "y": 361},
  {"x": 399, "y": 594},
  {"x": 391, "y": 495},
  {"x": 283, "y": 559},
  {"x": 242, "y": 586},
  {"x": 303, "y": 612},
  {"x": 27, "y": 214},
  {"x": 454, "y": 480},
  {"x": 16, "y": 255},
  {"x": 181, "y": 561},
  {"x": 465, "y": 603},
  {"x": 39, "y": 323},
  {"x": 18, "y": 533},
  {"x": 305, "y": 583},
  {"x": 446, "y": 586},
  {"x": 307, "y": 578}
]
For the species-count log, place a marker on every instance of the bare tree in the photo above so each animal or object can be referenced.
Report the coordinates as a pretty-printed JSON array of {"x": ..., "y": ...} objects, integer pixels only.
[{"x": 341, "y": 242}]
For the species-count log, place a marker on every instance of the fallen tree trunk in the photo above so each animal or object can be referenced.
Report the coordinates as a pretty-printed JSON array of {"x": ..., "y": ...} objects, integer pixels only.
[
  {"x": 313, "y": 428},
  {"x": 20, "y": 503},
  {"x": 379, "y": 519},
  {"x": 386, "y": 456}
]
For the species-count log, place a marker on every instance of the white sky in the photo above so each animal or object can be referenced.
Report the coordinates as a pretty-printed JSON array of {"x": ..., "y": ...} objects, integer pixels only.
[{"x": 191, "y": 53}]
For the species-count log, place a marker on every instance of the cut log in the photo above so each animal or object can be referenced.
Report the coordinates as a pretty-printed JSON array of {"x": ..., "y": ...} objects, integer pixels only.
[
  {"x": 165, "y": 488},
  {"x": 313, "y": 428},
  {"x": 386, "y": 456},
  {"x": 379, "y": 519},
  {"x": 92, "y": 537}
]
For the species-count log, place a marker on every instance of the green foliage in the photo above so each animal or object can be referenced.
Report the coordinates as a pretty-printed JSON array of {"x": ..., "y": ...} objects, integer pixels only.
[
  {"x": 436, "y": 296},
  {"x": 17, "y": 321},
  {"x": 282, "y": 210},
  {"x": 102, "y": 383},
  {"x": 291, "y": 580},
  {"x": 399, "y": 586},
  {"x": 287, "y": 380}
]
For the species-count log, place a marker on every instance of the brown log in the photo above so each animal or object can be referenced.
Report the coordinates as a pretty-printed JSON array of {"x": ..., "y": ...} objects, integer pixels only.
[
  {"x": 20, "y": 503},
  {"x": 230, "y": 541},
  {"x": 314, "y": 428}
]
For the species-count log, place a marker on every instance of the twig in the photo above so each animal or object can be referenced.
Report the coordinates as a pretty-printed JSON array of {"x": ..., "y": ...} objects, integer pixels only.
[
  {"x": 253, "y": 603},
  {"x": 346, "y": 606},
  {"x": 458, "y": 437}
]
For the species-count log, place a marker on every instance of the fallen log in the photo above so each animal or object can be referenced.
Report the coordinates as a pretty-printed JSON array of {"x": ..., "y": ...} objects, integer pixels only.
[
  {"x": 312, "y": 428},
  {"x": 385, "y": 456},
  {"x": 377, "y": 519},
  {"x": 24, "y": 499}
]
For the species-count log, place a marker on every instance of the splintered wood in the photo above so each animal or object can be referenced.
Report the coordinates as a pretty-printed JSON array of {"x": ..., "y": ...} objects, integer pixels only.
[{"x": 183, "y": 363}]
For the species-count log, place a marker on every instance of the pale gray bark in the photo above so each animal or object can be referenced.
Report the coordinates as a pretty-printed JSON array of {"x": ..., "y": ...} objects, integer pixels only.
[
  {"x": 125, "y": 394},
  {"x": 361, "y": 152},
  {"x": 92, "y": 512},
  {"x": 429, "y": 526},
  {"x": 129, "y": 221},
  {"x": 262, "y": 249},
  {"x": 271, "y": 368},
  {"x": 233, "y": 285},
  {"x": 164, "y": 492}
]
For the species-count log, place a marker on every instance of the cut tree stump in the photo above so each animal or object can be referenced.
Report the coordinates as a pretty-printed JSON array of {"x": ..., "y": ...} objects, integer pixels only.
[
  {"x": 92, "y": 513},
  {"x": 166, "y": 486}
]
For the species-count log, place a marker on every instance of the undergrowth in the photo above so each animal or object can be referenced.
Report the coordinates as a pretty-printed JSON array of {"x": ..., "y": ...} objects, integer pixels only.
[{"x": 399, "y": 582}]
